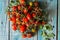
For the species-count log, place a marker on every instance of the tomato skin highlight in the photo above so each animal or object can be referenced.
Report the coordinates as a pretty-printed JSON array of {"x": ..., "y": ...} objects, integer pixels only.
[{"x": 29, "y": 16}]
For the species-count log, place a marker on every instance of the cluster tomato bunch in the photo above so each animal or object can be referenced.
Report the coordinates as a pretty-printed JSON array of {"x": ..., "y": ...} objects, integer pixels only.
[{"x": 25, "y": 18}]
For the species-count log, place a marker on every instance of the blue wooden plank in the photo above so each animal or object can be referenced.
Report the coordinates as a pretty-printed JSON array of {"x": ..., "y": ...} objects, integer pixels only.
[
  {"x": 59, "y": 35},
  {"x": 39, "y": 35},
  {"x": 3, "y": 21}
]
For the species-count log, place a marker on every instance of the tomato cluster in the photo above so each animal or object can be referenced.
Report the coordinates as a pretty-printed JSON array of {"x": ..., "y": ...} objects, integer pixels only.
[{"x": 25, "y": 18}]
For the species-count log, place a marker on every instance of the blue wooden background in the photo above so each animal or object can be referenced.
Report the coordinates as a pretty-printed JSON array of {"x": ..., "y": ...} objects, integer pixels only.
[{"x": 15, "y": 35}]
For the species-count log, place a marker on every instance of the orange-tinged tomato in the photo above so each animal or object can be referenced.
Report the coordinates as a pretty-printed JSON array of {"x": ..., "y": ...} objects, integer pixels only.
[
  {"x": 22, "y": 1},
  {"x": 14, "y": 27}
]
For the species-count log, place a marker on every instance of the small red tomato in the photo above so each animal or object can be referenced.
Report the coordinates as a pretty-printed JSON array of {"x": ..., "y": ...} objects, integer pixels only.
[
  {"x": 22, "y": 28},
  {"x": 17, "y": 15},
  {"x": 19, "y": 7},
  {"x": 25, "y": 20},
  {"x": 14, "y": 27},
  {"x": 25, "y": 11},
  {"x": 13, "y": 19},
  {"x": 28, "y": 24},
  {"x": 24, "y": 35},
  {"x": 10, "y": 19},
  {"x": 43, "y": 22},
  {"x": 29, "y": 16},
  {"x": 37, "y": 23},
  {"x": 33, "y": 14},
  {"x": 13, "y": 13},
  {"x": 29, "y": 8},
  {"x": 22, "y": 2},
  {"x": 29, "y": 35},
  {"x": 14, "y": 8}
]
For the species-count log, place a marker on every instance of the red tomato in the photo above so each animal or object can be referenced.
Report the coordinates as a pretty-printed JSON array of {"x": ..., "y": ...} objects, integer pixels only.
[
  {"x": 13, "y": 19},
  {"x": 43, "y": 22},
  {"x": 17, "y": 15},
  {"x": 28, "y": 24},
  {"x": 22, "y": 28},
  {"x": 29, "y": 35},
  {"x": 19, "y": 7},
  {"x": 14, "y": 27},
  {"x": 37, "y": 23},
  {"x": 29, "y": 16},
  {"x": 24, "y": 35},
  {"x": 25, "y": 11},
  {"x": 22, "y": 2},
  {"x": 33, "y": 14},
  {"x": 14, "y": 8},
  {"x": 10, "y": 19},
  {"x": 29, "y": 8},
  {"x": 25, "y": 20}
]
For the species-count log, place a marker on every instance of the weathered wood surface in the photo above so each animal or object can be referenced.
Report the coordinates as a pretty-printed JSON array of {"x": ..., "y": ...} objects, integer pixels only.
[{"x": 6, "y": 33}]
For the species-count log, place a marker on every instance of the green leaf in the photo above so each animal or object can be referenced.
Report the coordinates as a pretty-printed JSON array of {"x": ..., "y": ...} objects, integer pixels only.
[
  {"x": 44, "y": 34},
  {"x": 12, "y": 1},
  {"x": 47, "y": 38},
  {"x": 48, "y": 27},
  {"x": 51, "y": 35}
]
